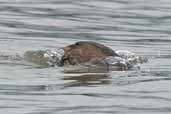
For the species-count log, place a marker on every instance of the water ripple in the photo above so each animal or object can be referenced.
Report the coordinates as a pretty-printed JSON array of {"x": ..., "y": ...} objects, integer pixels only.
[{"x": 140, "y": 26}]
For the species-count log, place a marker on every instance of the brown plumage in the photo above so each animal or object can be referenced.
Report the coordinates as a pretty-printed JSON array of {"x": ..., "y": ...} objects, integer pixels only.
[{"x": 85, "y": 51}]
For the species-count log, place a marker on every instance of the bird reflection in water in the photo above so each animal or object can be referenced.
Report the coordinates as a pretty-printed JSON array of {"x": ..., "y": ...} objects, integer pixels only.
[{"x": 88, "y": 79}]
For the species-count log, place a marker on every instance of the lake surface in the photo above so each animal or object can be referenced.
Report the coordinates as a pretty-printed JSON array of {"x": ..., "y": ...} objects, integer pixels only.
[{"x": 140, "y": 26}]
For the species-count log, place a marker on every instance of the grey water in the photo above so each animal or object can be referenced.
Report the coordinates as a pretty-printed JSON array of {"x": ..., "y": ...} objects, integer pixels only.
[{"x": 140, "y": 26}]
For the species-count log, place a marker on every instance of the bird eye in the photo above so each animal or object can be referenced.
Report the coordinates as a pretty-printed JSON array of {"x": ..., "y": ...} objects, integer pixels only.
[{"x": 77, "y": 43}]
